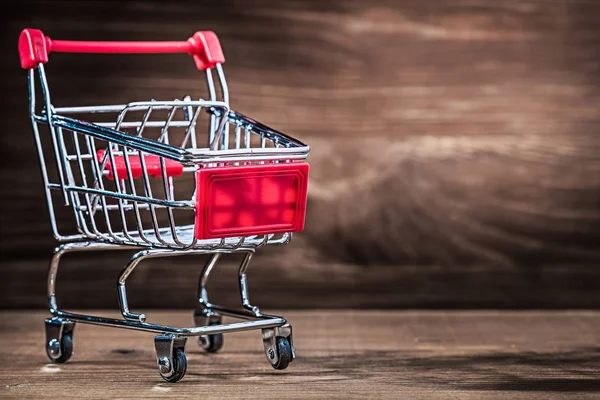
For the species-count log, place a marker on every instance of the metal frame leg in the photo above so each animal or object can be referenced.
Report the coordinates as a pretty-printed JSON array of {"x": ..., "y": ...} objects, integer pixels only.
[
  {"x": 204, "y": 315},
  {"x": 55, "y": 261},
  {"x": 207, "y": 309},
  {"x": 244, "y": 294},
  {"x": 122, "y": 291},
  {"x": 202, "y": 291}
]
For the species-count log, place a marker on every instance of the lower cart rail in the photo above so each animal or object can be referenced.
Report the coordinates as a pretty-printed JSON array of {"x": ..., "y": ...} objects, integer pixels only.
[{"x": 261, "y": 322}]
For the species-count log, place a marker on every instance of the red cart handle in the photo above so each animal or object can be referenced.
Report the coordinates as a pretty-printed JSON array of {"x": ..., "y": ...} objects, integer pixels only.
[{"x": 204, "y": 46}]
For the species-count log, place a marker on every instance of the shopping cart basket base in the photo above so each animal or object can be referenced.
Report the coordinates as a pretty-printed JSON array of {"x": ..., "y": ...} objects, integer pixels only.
[{"x": 170, "y": 342}]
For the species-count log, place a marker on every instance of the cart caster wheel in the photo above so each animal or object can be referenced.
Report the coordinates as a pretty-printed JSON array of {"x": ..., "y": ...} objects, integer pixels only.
[
  {"x": 284, "y": 354},
  {"x": 279, "y": 346},
  {"x": 173, "y": 373},
  {"x": 210, "y": 343},
  {"x": 59, "y": 340},
  {"x": 170, "y": 354},
  {"x": 60, "y": 351}
]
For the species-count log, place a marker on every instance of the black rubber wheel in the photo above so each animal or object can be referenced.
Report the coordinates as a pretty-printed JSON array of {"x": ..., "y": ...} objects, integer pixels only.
[
  {"x": 179, "y": 367},
  {"x": 212, "y": 343},
  {"x": 66, "y": 349},
  {"x": 284, "y": 353}
]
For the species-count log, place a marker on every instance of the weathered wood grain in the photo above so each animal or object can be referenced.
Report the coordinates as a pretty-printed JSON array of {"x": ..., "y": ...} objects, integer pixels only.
[
  {"x": 341, "y": 354},
  {"x": 455, "y": 145}
]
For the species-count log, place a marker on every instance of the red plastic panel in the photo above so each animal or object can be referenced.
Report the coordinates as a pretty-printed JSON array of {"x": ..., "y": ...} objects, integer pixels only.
[
  {"x": 172, "y": 168},
  {"x": 250, "y": 200}
]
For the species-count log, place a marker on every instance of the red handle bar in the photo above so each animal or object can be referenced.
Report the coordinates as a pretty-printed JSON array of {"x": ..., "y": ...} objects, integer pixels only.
[{"x": 204, "y": 46}]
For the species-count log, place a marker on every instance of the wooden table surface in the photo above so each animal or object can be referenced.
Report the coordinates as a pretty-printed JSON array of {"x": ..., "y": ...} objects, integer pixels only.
[{"x": 341, "y": 354}]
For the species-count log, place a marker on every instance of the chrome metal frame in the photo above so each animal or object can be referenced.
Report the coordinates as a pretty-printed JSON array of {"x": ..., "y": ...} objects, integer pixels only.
[{"x": 103, "y": 208}]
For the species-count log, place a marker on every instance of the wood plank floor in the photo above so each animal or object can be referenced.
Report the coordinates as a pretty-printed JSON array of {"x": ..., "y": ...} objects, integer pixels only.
[{"x": 341, "y": 354}]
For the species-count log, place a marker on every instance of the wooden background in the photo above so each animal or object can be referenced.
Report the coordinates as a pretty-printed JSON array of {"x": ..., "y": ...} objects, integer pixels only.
[{"x": 455, "y": 162}]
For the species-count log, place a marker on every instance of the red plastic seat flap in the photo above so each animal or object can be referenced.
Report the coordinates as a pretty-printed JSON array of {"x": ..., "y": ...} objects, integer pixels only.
[
  {"x": 172, "y": 168},
  {"x": 250, "y": 200}
]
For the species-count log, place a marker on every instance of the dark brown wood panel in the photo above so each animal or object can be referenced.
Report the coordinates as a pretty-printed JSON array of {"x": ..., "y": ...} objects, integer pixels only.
[
  {"x": 456, "y": 152},
  {"x": 341, "y": 354}
]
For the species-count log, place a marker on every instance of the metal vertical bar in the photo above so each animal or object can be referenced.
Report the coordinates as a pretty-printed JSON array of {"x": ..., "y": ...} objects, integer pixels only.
[
  {"x": 41, "y": 158},
  {"x": 190, "y": 135},
  {"x": 102, "y": 165},
  {"x": 246, "y": 138},
  {"x": 88, "y": 202},
  {"x": 225, "y": 98},
  {"x": 118, "y": 188},
  {"x": 58, "y": 151},
  {"x": 213, "y": 97},
  {"x": 188, "y": 112},
  {"x": 164, "y": 131},
  {"x": 98, "y": 172},
  {"x": 172, "y": 226},
  {"x": 168, "y": 181},
  {"x": 140, "y": 130},
  {"x": 148, "y": 192},
  {"x": 122, "y": 188},
  {"x": 237, "y": 136},
  {"x": 223, "y": 83},
  {"x": 238, "y": 130},
  {"x": 71, "y": 182},
  {"x": 164, "y": 137},
  {"x": 136, "y": 208},
  {"x": 246, "y": 141}
]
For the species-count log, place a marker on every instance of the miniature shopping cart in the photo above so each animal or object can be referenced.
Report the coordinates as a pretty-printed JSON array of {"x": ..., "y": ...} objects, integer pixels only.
[{"x": 165, "y": 178}]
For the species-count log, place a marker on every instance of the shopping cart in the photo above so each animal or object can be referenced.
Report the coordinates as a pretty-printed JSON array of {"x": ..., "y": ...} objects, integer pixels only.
[{"x": 166, "y": 178}]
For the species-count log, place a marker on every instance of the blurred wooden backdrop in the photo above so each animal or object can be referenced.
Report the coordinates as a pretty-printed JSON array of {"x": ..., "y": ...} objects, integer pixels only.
[{"x": 456, "y": 148}]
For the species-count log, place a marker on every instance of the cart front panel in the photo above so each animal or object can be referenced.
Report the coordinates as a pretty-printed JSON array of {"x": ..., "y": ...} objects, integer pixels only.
[{"x": 249, "y": 200}]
